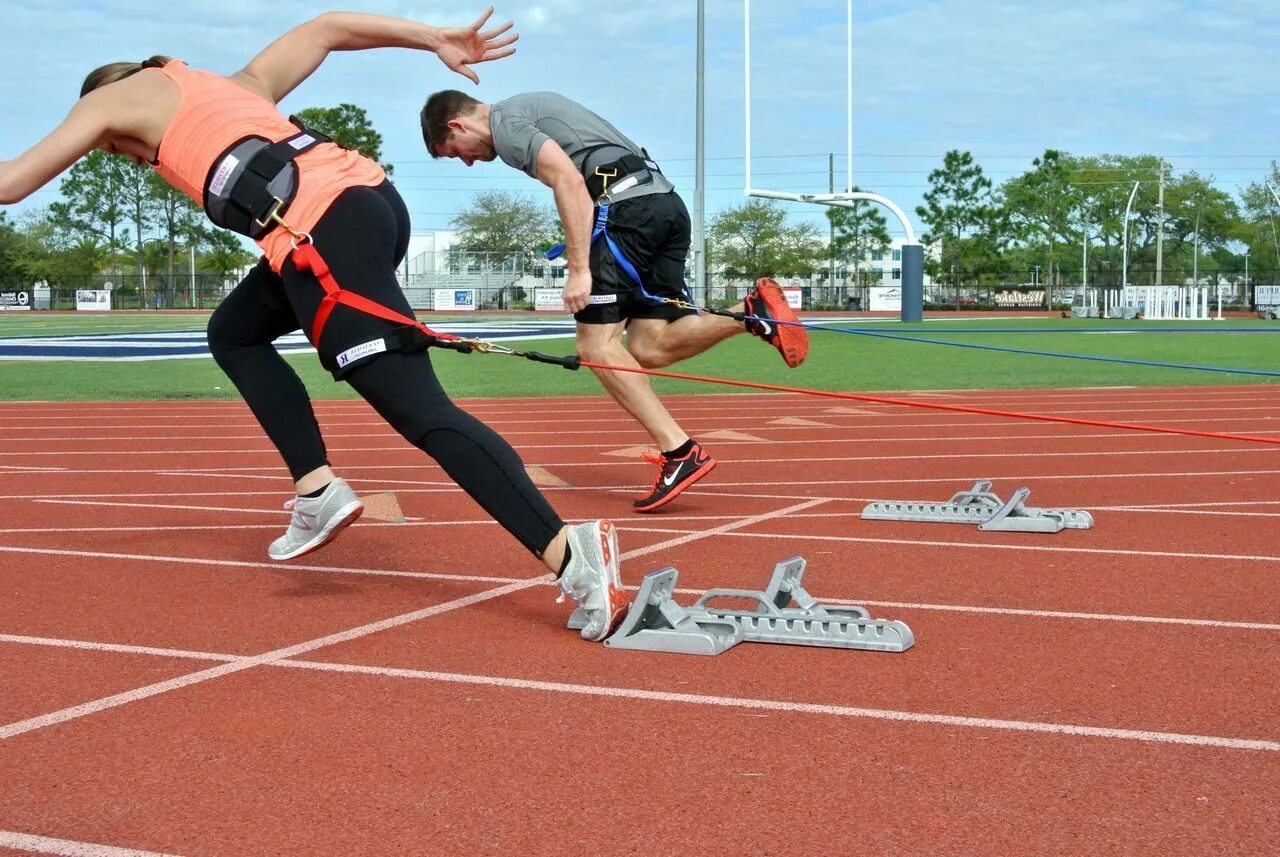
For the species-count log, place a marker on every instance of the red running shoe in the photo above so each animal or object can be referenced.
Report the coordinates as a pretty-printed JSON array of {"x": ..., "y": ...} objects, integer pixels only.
[{"x": 768, "y": 304}]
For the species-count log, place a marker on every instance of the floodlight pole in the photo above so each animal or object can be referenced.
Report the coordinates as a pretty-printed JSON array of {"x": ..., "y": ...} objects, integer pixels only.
[
  {"x": 1124, "y": 271},
  {"x": 700, "y": 165}
]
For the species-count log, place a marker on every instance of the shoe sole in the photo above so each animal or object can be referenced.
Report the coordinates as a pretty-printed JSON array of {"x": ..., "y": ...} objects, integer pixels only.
[
  {"x": 792, "y": 341},
  {"x": 346, "y": 516},
  {"x": 618, "y": 600},
  {"x": 679, "y": 489}
]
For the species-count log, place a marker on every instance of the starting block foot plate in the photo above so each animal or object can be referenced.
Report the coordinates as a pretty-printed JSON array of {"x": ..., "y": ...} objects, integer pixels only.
[{"x": 783, "y": 613}]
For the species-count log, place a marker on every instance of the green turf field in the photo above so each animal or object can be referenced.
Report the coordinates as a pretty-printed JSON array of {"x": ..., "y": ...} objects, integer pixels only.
[{"x": 836, "y": 361}]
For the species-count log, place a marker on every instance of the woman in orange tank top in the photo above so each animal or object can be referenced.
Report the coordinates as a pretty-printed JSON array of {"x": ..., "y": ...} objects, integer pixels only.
[{"x": 210, "y": 137}]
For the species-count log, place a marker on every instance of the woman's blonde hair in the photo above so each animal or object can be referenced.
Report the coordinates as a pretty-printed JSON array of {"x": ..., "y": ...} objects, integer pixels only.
[{"x": 111, "y": 72}]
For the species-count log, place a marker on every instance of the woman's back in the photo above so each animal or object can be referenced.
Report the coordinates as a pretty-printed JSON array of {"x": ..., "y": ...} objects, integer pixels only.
[{"x": 214, "y": 113}]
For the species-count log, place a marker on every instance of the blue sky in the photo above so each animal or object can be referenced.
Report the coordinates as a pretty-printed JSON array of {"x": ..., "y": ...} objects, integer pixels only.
[{"x": 1195, "y": 82}]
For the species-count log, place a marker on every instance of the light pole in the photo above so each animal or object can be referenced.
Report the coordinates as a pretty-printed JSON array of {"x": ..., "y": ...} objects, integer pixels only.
[
  {"x": 1195, "y": 259},
  {"x": 1124, "y": 273}
]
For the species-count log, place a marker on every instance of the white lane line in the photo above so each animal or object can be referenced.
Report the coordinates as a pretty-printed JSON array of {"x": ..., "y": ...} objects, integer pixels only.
[
  {"x": 1210, "y": 512},
  {"x": 273, "y": 566},
  {"x": 1242, "y": 447},
  {"x": 695, "y": 535},
  {"x": 84, "y": 709},
  {"x": 1059, "y": 614},
  {"x": 803, "y": 537},
  {"x": 69, "y": 847},
  {"x": 805, "y": 707},
  {"x": 173, "y": 506},
  {"x": 1023, "y": 439},
  {"x": 116, "y": 648},
  {"x": 754, "y": 704}
]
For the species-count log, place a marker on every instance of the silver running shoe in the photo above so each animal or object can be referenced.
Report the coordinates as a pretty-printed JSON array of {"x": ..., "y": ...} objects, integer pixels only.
[
  {"x": 317, "y": 520},
  {"x": 592, "y": 578}
]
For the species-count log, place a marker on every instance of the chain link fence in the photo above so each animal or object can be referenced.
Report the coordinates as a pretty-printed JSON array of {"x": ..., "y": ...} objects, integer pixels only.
[{"x": 452, "y": 280}]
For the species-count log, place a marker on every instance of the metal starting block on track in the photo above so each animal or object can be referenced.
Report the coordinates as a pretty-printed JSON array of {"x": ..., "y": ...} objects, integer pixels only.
[
  {"x": 783, "y": 613},
  {"x": 979, "y": 506}
]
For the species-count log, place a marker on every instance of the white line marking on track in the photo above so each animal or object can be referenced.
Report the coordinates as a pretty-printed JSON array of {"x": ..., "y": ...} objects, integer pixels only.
[
  {"x": 84, "y": 709},
  {"x": 68, "y": 847},
  {"x": 76, "y": 711},
  {"x": 235, "y": 663},
  {"x": 274, "y": 566},
  {"x": 694, "y": 535}
]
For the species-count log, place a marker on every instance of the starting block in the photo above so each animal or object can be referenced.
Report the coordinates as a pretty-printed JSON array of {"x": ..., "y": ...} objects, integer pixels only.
[
  {"x": 980, "y": 506},
  {"x": 783, "y": 613}
]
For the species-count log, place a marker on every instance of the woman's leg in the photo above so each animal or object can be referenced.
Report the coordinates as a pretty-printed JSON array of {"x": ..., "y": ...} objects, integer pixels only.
[{"x": 240, "y": 334}]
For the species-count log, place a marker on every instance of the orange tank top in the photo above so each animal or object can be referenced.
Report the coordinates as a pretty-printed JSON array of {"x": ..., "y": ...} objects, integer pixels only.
[{"x": 214, "y": 114}]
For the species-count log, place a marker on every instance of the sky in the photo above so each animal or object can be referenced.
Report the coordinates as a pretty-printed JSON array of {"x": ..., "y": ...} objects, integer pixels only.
[{"x": 1194, "y": 82}]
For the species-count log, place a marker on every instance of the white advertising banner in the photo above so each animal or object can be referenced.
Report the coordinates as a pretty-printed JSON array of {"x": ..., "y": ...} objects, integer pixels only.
[
  {"x": 454, "y": 299},
  {"x": 1266, "y": 295},
  {"x": 795, "y": 296},
  {"x": 885, "y": 299},
  {"x": 93, "y": 300},
  {"x": 548, "y": 300}
]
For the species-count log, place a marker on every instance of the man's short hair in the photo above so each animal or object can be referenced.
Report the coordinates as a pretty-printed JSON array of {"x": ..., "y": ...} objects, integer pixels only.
[{"x": 440, "y": 108}]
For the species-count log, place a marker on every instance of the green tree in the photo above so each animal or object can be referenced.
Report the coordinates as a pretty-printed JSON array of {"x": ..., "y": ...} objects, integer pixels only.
[
  {"x": 1259, "y": 229},
  {"x": 959, "y": 205},
  {"x": 91, "y": 206},
  {"x": 179, "y": 220},
  {"x": 12, "y": 269},
  {"x": 1043, "y": 205},
  {"x": 503, "y": 222},
  {"x": 860, "y": 230},
  {"x": 348, "y": 126},
  {"x": 754, "y": 240},
  {"x": 223, "y": 252}
]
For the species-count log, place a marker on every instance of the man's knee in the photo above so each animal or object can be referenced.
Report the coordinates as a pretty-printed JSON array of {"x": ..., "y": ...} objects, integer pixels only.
[
  {"x": 648, "y": 353},
  {"x": 598, "y": 344}
]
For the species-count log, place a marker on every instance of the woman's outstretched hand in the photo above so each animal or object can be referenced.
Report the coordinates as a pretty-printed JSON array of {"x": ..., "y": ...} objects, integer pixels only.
[{"x": 460, "y": 47}]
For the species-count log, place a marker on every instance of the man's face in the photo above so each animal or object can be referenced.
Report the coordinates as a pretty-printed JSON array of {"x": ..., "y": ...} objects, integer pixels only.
[{"x": 466, "y": 145}]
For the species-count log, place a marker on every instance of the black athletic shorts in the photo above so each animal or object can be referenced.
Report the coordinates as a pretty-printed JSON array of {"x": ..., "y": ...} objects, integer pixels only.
[{"x": 653, "y": 232}]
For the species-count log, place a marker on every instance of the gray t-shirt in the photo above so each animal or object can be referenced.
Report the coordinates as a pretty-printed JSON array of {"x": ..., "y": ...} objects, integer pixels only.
[{"x": 522, "y": 123}]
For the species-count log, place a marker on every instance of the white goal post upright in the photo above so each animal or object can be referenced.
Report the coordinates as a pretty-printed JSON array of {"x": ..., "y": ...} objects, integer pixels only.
[{"x": 912, "y": 252}]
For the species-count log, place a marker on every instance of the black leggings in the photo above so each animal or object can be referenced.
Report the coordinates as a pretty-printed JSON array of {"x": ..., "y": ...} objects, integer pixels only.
[{"x": 363, "y": 237}]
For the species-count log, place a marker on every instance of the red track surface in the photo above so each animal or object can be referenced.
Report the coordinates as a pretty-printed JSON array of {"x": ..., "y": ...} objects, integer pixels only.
[{"x": 411, "y": 690}]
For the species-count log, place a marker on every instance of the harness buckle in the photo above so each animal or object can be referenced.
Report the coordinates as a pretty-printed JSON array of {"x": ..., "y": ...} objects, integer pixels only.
[
  {"x": 604, "y": 187},
  {"x": 273, "y": 216}
]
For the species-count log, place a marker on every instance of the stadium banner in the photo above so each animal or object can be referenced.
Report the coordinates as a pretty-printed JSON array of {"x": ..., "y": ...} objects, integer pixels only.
[
  {"x": 454, "y": 299},
  {"x": 1266, "y": 296},
  {"x": 548, "y": 300},
  {"x": 1033, "y": 298},
  {"x": 15, "y": 300},
  {"x": 795, "y": 296},
  {"x": 885, "y": 299},
  {"x": 93, "y": 300}
]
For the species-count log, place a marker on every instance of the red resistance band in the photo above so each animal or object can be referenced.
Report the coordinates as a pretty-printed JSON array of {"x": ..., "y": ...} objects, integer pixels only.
[
  {"x": 937, "y": 406},
  {"x": 307, "y": 258}
]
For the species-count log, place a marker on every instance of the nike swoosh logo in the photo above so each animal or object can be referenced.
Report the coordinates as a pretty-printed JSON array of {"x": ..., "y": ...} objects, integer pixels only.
[
  {"x": 765, "y": 326},
  {"x": 303, "y": 521},
  {"x": 670, "y": 480}
]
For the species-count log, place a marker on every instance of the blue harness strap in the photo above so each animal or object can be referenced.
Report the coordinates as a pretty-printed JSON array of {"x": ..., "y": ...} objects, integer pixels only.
[{"x": 602, "y": 219}]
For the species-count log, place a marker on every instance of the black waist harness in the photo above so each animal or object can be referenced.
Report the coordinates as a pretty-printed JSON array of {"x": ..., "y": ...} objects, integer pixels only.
[
  {"x": 625, "y": 173},
  {"x": 254, "y": 180}
]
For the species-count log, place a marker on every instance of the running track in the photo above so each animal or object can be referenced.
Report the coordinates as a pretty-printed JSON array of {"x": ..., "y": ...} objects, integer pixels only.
[{"x": 410, "y": 688}]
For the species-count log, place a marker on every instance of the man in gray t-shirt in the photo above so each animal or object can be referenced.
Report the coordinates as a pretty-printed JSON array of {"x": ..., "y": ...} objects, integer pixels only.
[{"x": 633, "y": 284}]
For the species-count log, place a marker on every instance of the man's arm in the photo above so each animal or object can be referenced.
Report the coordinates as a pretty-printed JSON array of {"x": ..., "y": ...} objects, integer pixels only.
[
  {"x": 293, "y": 57},
  {"x": 80, "y": 133},
  {"x": 556, "y": 171}
]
